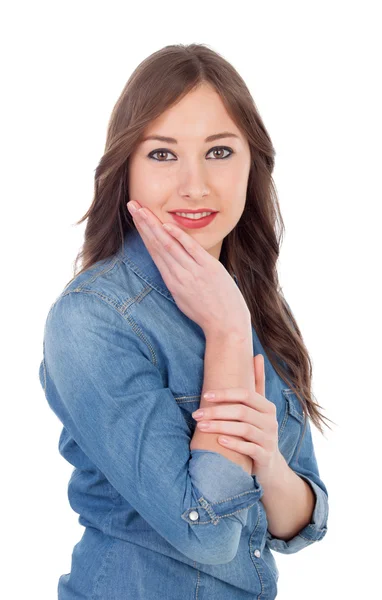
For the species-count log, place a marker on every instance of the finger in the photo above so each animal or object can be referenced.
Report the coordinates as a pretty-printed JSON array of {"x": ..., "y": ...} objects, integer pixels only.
[
  {"x": 233, "y": 413},
  {"x": 193, "y": 248},
  {"x": 256, "y": 400},
  {"x": 160, "y": 262},
  {"x": 166, "y": 263},
  {"x": 259, "y": 374},
  {"x": 239, "y": 429},
  {"x": 228, "y": 395},
  {"x": 248, "y": 448},
  {"x": 161, "y": 242}
]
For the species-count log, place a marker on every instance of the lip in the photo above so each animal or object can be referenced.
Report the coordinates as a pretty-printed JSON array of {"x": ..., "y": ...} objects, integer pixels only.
[
  {"x": 192, "y": 210},
  {"x": 193, "y": 223}
]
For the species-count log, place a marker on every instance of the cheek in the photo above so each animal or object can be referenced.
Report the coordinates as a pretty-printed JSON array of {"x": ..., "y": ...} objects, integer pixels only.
[{"x": 142, "y": 183}]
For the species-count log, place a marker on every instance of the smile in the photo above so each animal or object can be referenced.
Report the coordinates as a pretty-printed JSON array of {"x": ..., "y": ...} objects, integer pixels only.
[{"x": 193, "y": 223}]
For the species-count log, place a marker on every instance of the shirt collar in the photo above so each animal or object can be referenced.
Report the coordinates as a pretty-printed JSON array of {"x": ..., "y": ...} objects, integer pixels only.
[{"x": 136, "y": 256}]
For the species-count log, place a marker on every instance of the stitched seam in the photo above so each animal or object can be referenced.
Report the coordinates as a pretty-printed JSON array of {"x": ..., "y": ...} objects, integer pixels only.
[
  {"x": 287, "y": 392},
  {"x": 144, "y": 276},
  {"x": 297, "y": 451},
  {"x": 202, "y": 499},
  {"x": 285, "y": 419},
  {"x": 197, "y": 586},
  {"x": 94, "y": 276},
  {"x": 138, "y": 298},
  {"x": 191, "y": 398},
  {"x": 251, "y": 550},
  {"x": 215, "y": 519},
  {"x": 134, "y": 326},
  {"x": 102, "y": 570}
]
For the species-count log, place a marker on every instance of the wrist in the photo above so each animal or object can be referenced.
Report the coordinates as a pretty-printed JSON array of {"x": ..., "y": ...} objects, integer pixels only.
[
  {"x": 239, "y": 331},
  {"x": 276, "y": 475}
]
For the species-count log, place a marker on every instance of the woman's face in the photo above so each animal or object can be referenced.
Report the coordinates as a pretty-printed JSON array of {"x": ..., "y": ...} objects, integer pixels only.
[{"x": 193, "y": 173}]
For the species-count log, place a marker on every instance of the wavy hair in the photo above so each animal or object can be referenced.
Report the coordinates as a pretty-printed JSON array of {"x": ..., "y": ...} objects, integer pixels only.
[{"x": 250, "y": 251}]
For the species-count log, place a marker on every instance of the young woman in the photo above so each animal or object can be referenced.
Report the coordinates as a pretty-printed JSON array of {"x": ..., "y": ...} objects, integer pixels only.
[{"x": 155, "y": 318}]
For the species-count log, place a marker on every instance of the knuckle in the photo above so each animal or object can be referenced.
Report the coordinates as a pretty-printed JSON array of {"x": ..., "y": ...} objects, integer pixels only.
[
  {"x": 243, "y": 412},
  {"x": 247, "y": 430},
  {"x": 168, "y": 245},
  {"x": 188, "y": 278},
  {"x": 246, "y": 393}
]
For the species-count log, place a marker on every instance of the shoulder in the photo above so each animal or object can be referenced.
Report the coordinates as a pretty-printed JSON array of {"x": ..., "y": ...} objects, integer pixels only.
[{"x": 109, "y": 280}]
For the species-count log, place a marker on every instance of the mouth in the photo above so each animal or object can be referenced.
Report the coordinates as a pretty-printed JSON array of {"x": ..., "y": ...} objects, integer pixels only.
[{"x": 194, "y": 222}]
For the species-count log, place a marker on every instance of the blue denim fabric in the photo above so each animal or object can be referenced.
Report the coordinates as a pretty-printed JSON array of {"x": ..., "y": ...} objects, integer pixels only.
[{"x": 122, "y": 369}]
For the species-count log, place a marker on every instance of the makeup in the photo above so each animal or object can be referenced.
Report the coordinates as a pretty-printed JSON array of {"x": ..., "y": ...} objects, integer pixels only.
[{"x": 193, "y": 223}]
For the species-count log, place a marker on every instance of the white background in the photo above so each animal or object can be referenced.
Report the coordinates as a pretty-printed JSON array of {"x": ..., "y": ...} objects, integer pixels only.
[{"x": 314, "y": 71}]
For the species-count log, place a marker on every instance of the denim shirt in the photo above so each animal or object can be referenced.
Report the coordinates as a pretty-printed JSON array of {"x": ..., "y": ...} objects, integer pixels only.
[{"x": 122, "y": 369}]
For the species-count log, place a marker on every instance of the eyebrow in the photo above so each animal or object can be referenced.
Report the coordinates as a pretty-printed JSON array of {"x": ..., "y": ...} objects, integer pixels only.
[{"x": 210, "y": 138}]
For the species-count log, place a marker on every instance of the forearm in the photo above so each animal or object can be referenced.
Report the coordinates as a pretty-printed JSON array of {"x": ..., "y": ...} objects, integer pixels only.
[
  {"x": 288, "y": 501},
  {"x": 228, "y": 362}
]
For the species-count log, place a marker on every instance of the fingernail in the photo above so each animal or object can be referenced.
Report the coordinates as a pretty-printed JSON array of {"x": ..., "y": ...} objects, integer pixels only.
[
  {"x": 132, "y": 207},
  {"x": 197, "y": 414},
  {"x": 209, "y": 395}
]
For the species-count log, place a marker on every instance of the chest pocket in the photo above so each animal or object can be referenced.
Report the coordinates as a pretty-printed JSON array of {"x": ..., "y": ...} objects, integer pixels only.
[
  {"x": 188, "y": 404},
  {"x": 290, "y": 429}
]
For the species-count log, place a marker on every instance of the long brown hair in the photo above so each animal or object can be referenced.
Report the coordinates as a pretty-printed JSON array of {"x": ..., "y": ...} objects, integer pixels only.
[{"x": 251, "y": 249}]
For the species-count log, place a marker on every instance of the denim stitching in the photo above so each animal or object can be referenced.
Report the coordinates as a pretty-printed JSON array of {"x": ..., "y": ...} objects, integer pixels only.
[
  {"x": 287, "y": 392},
  {"x": 207, "y": 507},
  {"x": 101, "y": 573},
  {"x": 145, "y": 277},
  {"x": 218, "y": 517},
  {"x": 297, "y": 451},
  {"x": 141, "y": 335},
  {"x": 107, "y": 268},
  {"x": 231, "y": 498},
  {"x": 134, "y": 326},
  {"x": 138, "y": 298},
  {"x": 250, "y": 546},
  {"x": 93, "y": 277},
  {"x": 178, "y": 398},
  {"x": 197, "y": 585}
]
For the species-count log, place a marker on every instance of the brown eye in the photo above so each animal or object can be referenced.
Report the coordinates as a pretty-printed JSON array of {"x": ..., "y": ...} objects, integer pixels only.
[
  {"x": 152, "y": 154},
  {"x": 163, "y": 151},
  {"x": 221, "y": 149}
]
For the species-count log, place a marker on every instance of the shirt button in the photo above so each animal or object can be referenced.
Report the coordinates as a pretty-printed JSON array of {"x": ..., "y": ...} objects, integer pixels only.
[
  {"x": 257, "y": 553},
  {"x": 194, "y": 515}
]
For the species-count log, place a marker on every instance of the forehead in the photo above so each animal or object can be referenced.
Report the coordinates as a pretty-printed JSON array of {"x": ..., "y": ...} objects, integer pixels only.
[{"x": 198, "y": 115}]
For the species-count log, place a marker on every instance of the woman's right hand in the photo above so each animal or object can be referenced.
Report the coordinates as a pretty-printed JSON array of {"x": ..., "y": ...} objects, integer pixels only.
[{"x": 200, "y": 285}]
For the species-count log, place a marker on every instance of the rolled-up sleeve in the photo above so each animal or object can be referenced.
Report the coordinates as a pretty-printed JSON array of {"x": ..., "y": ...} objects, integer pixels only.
[
  {"x": 304, "y": 463},
  {"x": 101, "y": 380},
  {"x": 223, "y": 484}
]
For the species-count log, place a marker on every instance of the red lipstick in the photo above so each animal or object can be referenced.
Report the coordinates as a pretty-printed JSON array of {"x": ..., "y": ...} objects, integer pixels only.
[
  {"x": 192, "y": 210},
  {"x": 193, "y": 223}
]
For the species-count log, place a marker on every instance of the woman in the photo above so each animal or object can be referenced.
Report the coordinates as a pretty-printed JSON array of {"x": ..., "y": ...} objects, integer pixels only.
[{"x": 154, "y": 319}]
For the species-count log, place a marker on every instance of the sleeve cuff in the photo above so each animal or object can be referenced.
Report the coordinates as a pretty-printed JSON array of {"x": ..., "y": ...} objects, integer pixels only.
[
  {"x": 222, "y": 487},
  {"x": 312, "y": 532}
]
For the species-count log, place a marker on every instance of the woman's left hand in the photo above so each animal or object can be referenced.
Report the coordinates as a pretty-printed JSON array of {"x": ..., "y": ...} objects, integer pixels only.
[{"x": 248, "y": 416}]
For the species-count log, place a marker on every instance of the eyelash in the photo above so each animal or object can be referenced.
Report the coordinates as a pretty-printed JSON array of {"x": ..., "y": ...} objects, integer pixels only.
[{"x": 151, "y": 155}]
